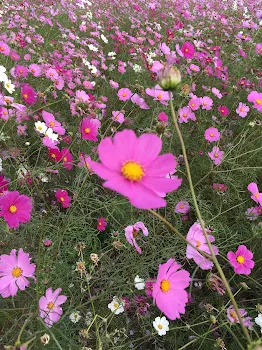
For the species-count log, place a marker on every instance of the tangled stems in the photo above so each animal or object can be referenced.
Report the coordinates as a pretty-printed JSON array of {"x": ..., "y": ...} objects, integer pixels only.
[{"x": 214, "y": 258}]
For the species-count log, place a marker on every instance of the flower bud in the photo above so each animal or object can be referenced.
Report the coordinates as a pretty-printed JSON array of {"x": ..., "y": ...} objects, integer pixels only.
[{"x": 169, "y": 77}]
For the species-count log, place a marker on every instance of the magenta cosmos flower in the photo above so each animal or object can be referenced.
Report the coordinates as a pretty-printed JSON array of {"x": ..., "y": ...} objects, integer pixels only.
[
  {"x": 67, "y": 158},
  {"x": 52, "y": 123},
  {"x": 182, "y": 207},
  {"x": 89, "y": 128},
  {"x": 223, "y": 110},
  {"x": 242, "y": 110},
  {"x": 188, "y": 50},
  {"x": 29, "y": 95},
  {"x": 212, "y": 134},
  {"x": 232, "y": 316},
  {"x": 132, "y": 167},
  {"x": 101, "y": 224},
  {"x": 256, "y": 196},
  {"x": 15, "y": 208},
  {"x": 50, "y": 306},
  {"x": 132, "y": 234},
  {"x": 169, "y": 289},
  {"x": 241, "y": 260},
  {"x": 196, "y": 237},
  {"x": 124, "y": 94},
  {"x": 259, "y": 49},
  {"x": 63, "y": 198},
  {"x": 216, "y": 155},
  {"x": 13, "y": 272}
]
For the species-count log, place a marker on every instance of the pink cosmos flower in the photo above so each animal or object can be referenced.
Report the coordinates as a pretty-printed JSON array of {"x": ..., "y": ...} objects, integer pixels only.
[
  {"x": 118, "y": 117},
  {"x": 13, "y": 272},
  {"x": 197, "y": 238},
  {"x": 220, "y": 188},
  {"x": 259, "y": 49},
  {"x": 216, "y": 92},
  {"x": 82, "y": 96},
  {"x": 188, "y": 50},
  {"x": 49, "y": 305},
  {"x": 52, "y": 74},
  {"x": 194, "y": 68},
  {"x": 52, "y": 123},
  {"x": 132, "y": 233},
  {"x": 241, "y": 260},
  {"x": 256, "y": 195},
  {"x": 223, "y": 110},
  {"x": 216, "y": 155},
  {"x": 84, "y": 161},
  {"x": 124, "y": 94},
  {"x": 15, "y": 208},
  {"x": 139, "y": 101},
  {"x": 59, "y": 83},
  {"x": 89, "y": 128},
  {"x": 3, "y": 184},
  {"x": 232, "y": 316},
  {"x": 206, "y": 102},
  {"x": 182, "y": 207},
  {"x": 256, "y": 98},
  {"x": 4, "y": 48},
  {"x": 132, "y": 166},
  {"x": 194, "y": 103},
  {"x": 113, "y": 84},
  {"x": 63, "y": 198},
  {"x": 54, "y": 154},
  {"x": 242, "y": 110},
  {"x": 29, "y": 95},
  {"x": 21, "y": 71},
  {"x": 101, "y": 224},
  {"x": 35, "y": 69},
  {"x": 169, "y": 289},
  {"x": 185, "y": 114},
  {"x": 212, "y": 134},
  {"x": 4, "y": 113},
  {"x": 67, "y": 158},
  {"x": 158, "y": 94},
  {"x": 14, "y": 55}
]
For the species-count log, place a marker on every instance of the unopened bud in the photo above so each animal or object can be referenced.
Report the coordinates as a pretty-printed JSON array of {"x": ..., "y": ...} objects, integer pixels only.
[{"x": 169, "y": 77}]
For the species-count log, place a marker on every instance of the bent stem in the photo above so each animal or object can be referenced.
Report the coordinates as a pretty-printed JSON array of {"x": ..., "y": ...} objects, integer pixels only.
[
  {"x": 201, "y": 221},
  {"x": 179, "y": 234}
]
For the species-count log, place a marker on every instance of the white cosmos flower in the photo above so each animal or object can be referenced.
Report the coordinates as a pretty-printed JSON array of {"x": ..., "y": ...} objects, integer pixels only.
[
  {"x": 117, "y": 305},
  {"x": 104, "y": 38},
  {"x": 92, "y": 47},
  {"x": 3, "y": 76},
  {"x": 75, "y": 316},
  {"x": 161, "y": 325},
  {"x": 258, "y": 321},
  {"x": 41, "y": 127},
  {"x": 139, "y": 283},
  {"x": 49, "y": 133},
  {"x": 137, "y": 68},
  {"x": 9, "y": 86}
]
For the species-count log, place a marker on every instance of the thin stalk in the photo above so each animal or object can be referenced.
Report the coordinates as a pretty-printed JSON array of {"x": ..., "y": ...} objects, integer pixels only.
[{"x": 219, "y": 269}]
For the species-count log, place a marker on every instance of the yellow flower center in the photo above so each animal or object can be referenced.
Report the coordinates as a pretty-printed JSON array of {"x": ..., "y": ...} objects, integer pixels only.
[
  {"x": 116, "y": 305},
  {"x": 50, "y": 305},
  {"x": 87, "y": 130},
  {"x": 21, "y": 71},
  {"x": 198, "y": 244},
  {"x": 184, "y": 115},
  {"x": 52, "y": 155},
  {"x": 216, "y": 155},
  {"x": 259, "y": 102},
  {"x": 242, "y": 109},
  {"x": 132, "y": 171},
  {"x": 186, "y": 50},
  {"x": 192, "y": 104},
  {"x": 181, "y": 207},
  {"x": 52, "y": 124},
  {"x": 257, "y": 195},
  {"x": 25, "y": 95},
  {"x": 165, "y": 286},
  {"x": 5, "y": 112},
  {"x": 17, "y": 272},
  {"x": 240, "y": 259},
  {"x": 1, "y": 48},
  {"x": 160, "y": 326},
  {"x": 62, "y": 199},
  {"x": 12, "y": 209},
  {"x": 124, "y": 95},
  {"x": 32, "y": 70},
  {"x": 159, "y": 96},
  {"x": 204, "y": 103},
  {"x": 211, "y": 134},
  {"x": 64, "y": 159}
]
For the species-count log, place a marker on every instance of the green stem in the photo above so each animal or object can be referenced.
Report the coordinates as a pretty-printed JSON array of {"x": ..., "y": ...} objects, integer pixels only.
[{"x": 219, "y": 269}]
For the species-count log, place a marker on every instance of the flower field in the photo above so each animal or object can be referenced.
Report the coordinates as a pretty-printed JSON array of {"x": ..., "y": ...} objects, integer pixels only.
[{"x": 130, "y": 175}]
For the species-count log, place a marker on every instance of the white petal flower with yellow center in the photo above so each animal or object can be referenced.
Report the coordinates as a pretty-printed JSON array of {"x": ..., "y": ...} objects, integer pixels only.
[
  {"x": 9, "y": 86},
  {"x": 40, "y": 127},
  {"x": 117, "y": 305},
  {"x": 161, "y": 325},
  {"x": 75, "y": 316}
]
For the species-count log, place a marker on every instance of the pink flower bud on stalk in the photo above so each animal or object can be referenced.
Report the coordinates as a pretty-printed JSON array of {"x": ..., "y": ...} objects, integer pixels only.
[{"x": 169, "y": 77}]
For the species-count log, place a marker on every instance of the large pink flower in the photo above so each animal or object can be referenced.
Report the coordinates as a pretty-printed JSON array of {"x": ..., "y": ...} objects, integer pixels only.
[
  {"x": 15, "y": 208},
  {"x": 196, "y": 237},
  {"x": 49, "y": 305},
  {"x": 132, "y": 167},
  {"x": 13, "y": 272},
  {"x": 169, "y": 289},
  {"x": 241, "y": 260},
  {"x": 52, "y": 123},
  {"x": 256, "y": 98},
  {"x": 132, "y": 233}
]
